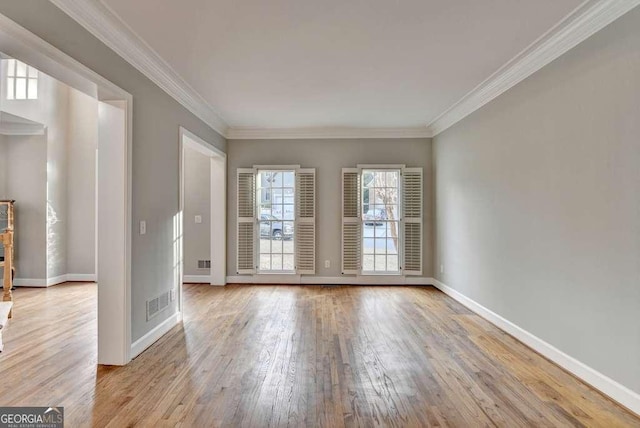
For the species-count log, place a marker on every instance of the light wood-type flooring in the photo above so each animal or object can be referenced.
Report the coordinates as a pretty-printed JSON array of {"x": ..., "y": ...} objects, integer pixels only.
[{"x": 260, "y": 356}]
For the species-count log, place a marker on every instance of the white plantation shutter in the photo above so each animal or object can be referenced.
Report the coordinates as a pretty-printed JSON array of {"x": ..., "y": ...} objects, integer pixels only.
[
  {"x": 246, "y": 194},
  {"x": 412, "y": 221},
  {"x": 351, "y": 227},
  {"x": 306, "y": 221}
]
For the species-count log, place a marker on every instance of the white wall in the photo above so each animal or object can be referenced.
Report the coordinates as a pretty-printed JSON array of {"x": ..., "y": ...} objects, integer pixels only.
[
  {"x": 82, "y": 143},
  {"x": 329, "y": 157},
  {"x": 51, "y": 110},
  {"x": 538, "y": 203},
  {"x": 71, "y": 119},
  {"x": 56, "y": 118},
  {"x": 197, "y": 201}
]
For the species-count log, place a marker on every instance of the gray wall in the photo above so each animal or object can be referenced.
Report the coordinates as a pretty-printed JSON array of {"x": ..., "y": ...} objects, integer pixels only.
[
  {"x": 328, "y": 157},
  {"x": 156, "y": 121},
  {"x": 26, "y": 176},
  {"x": 68, "y": 176},
  {"x": 52, "y": 110},
  {"x": 538, "y": 203},
  {"x": 197, "y": 201}
]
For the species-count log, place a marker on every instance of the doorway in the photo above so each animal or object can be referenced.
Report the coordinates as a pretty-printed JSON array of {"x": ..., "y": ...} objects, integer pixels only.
[
  {"x": 113, "y": 191},
  {"x": 209, "y": 257}
]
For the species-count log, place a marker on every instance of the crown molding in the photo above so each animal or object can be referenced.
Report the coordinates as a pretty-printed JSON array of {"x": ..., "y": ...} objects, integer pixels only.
[
  {"x": 589, "y": 18},
  {"x": 586, "y": 20},
  {"x": 100, "y": 21},
  {"x": 325, "y": 133}
]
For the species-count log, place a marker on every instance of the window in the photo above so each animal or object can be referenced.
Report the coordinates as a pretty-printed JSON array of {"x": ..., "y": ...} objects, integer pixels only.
[
  {"x": 382, "y": 221},
  {"x": 22, "y": 81},
  {"x": 276, "y": 189},
  {"x": 276, "y": 220}
]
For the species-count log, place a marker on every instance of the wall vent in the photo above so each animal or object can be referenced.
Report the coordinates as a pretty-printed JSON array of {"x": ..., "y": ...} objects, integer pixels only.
[
  {"x": 157, "y": 305},
  {"x": 204, "y": 264}
]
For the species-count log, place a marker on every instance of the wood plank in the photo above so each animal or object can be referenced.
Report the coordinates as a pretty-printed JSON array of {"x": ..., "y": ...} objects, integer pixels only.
[{"x": 294, "y": 356}]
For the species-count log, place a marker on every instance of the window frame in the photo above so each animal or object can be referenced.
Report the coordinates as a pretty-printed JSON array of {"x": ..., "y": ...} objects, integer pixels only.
[
  {"x": 411, "y": 220},
  {"x": 32, "y": 74},
  {"x": 258, "y": 214},
  {"x": 400, "y": 224}
]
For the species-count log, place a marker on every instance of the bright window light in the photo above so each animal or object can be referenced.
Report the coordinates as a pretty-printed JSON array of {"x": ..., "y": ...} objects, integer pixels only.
[
  {"x": 22, "y": 81},
  {"x": 381, "y": 238},
  {"x": 276, "y": 220}
]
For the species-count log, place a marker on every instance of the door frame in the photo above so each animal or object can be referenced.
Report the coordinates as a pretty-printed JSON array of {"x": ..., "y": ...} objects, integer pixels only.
[
  {"x": 217, "y": 202},
  {"x": 114, "y": 302}
]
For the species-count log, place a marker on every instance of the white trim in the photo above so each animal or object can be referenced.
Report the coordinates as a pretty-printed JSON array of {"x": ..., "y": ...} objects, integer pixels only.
[
  {"x": 114, "y": 211},
  {"x": 606, "y": 385},
  {"x": 48, "y": 58},
  {"x": 380, "y": 166},
  {"x": 56, "y": 280},
  {"x": 42, "y": 282},
  {"x": 400, "y": 221},
  {"x": 156, "y": 333},
  {"x": 318, "y": 280},
  {"x": 81, "y": 277},
  {"x": 218, "y": 207},
  {"x": 201, "y": 145},
  {"x": 196, "y": 279},
  {"x": 325, "y": 133},
  {"x": 108, "y": 27},
  {"x": 20, "y": 43},
  {"x": 587, "y": 19}
]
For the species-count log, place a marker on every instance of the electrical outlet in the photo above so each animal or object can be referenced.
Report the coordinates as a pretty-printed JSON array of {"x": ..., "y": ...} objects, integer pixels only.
[
  {"x": 143, "y": 227},
  {"x": 441, "y": 268},
  {"x": 173, "y": 294},
  {"x": 327, "y": 264},
  {"x": 198, "y": 219}
]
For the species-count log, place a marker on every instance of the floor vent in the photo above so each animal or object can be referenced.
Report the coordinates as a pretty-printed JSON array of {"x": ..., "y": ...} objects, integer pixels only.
[
  {"x": 204, "y": 264},
  {"x": 155, "y": 306}
]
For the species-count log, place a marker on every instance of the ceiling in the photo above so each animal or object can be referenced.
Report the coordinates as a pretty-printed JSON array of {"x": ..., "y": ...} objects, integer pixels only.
[{"x": 294, "y": 64}]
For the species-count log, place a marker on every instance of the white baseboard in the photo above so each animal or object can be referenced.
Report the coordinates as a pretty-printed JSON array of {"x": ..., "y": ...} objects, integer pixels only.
[
  {"x": 56, "y": 280},
  {"x": 41, "y": 282},
  {"x": 620, "y": 393},
  {"x": 331, "y": 280},
  {"x": 196, "y": 279},
  {"x": 156, "y": 333},
  {"x": 81, "y": 277}
]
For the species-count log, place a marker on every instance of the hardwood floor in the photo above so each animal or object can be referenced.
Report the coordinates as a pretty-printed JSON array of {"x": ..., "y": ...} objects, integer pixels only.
[{"x": 293, "y": 356}]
